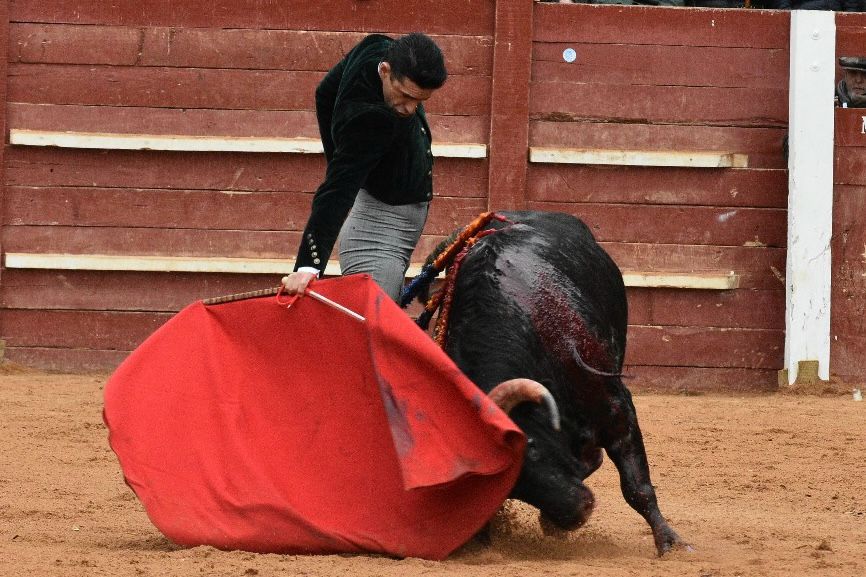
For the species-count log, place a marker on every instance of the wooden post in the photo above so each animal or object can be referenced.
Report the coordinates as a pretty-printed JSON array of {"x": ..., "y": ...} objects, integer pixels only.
[
  {"x": 810, "y": 193},
  {"x": 509, "y": 107}
]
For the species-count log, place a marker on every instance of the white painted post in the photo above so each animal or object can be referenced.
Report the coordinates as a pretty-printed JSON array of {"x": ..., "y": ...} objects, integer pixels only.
[{"x": 810, "y": 191}]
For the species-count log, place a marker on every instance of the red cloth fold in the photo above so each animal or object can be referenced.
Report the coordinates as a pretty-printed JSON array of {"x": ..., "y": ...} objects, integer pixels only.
[{"x": 254, "y": 426}]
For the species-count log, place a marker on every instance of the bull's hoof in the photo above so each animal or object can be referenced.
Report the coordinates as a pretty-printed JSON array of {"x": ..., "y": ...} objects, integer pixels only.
[
  {"x": 676, "y": 546},
  {"x": 667, "y": 540}
]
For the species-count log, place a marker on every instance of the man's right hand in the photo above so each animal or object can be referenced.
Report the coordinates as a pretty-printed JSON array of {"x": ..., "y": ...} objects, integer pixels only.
[{"x": 297, "y": 282}]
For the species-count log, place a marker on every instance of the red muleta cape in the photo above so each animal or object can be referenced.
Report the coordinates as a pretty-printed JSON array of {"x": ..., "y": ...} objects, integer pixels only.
[{"x": 250, "y": 425}]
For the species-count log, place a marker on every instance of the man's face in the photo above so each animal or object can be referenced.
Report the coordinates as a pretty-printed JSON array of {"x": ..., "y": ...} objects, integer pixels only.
[
  {"x": 856, "y": 81},
  {"x": 403, "y": 96}
]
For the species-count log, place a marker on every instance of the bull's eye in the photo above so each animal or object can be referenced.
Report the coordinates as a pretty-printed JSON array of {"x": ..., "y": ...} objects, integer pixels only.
[{"x": 531, "y": 449}]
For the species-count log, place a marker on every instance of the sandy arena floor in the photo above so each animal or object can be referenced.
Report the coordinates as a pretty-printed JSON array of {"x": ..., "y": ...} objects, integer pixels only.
[{"x": 760, "y": 486}]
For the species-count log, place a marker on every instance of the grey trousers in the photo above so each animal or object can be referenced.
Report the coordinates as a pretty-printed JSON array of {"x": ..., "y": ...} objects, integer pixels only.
[{"x": 378, "y": 239}]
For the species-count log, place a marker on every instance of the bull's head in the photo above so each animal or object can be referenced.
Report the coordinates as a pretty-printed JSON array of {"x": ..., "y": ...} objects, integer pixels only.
[{"x": 551, "y": 479}]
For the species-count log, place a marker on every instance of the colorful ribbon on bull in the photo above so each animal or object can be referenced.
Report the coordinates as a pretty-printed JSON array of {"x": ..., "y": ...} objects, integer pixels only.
[{"x": 451, "y": 257}]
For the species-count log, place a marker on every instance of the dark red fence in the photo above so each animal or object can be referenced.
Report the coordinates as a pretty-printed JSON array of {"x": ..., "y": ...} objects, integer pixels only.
[{"x": 645, "y": 82}]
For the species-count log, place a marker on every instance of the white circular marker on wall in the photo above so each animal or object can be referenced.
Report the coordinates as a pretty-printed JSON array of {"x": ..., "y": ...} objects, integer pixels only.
[{"x": 569, "y": 55}]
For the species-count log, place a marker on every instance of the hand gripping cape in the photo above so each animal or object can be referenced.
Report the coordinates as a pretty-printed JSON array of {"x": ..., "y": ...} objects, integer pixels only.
[{"x": 252, "y": 425}]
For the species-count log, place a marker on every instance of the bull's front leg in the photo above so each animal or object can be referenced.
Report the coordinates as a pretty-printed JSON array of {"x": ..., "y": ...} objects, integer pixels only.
[{"x": 627, "y": 451}]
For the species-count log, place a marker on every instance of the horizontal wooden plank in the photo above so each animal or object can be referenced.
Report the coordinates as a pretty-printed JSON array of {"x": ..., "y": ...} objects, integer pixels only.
[
  {"x": 37, "y": 167},
  {"x": 758, "y": 268},
  {"x": 613, "y": 24},
  {"x": 150, "y": 241},
  {"x": 264, "y": 49},
  {"x": 460, "y": 129},
  {"x": 200, "y": 122},
  {"x": 762, "y": 145},
  {"x": 66, "y": 360},
  {"x": 659, "y": 65},
  {"x": 849, "y": 165},
  {"x": 850, "y": 127},
  {"x": 223, "y": 171},
  {"x": 849, "y": 210},
  {"x": 206, "y": 88},
  {"x": 115, "y": 141},
  {"x": 156, "y": 208},
  {"x": 705, "y": 347},
  {"x": 850, "y": 30},
  {"x": 699, "y": 380},
  {"x": 703, "y": 280},
  {"x": 696, "y": 380},
  {"x": 752, "y": 309},
  {"x": 121, "y": 290},
  {"x": 193, "y": 209},
  {"x": 679, "y": 225},
  {"x": 857, "y": 19},
  {"x": 196, "y": 122},
  {"x": 847, "y": 358},
  {"x": 704, "y": 105},
  {"x": 682, "y": 158},
  {"x": 464, "y": 17},
  {"x": 159, "y": 241},
  {"x": 107, "y": 330},
  {"x": 458, "y": 150},
  {"x": 51, "y": 43},
  {"x": 128, "y": 290},
  {"x": 849, "y": 39},
  {"x": 647, "y": 185},
  {"x": 661, "y": 346},
  {"x": 162, "y": 87},
  {"x": 259, "y": 266}
]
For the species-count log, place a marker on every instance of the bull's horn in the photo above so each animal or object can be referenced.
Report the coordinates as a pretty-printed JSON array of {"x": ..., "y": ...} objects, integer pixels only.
[{"x": 509, "y": 394}]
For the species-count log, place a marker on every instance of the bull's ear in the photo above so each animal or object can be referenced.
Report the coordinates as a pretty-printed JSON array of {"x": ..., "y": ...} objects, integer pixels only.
[{"x": 508, "y": 394}]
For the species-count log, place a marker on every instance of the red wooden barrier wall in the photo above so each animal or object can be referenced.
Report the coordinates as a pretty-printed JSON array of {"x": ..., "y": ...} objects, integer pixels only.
[{"x": 646, "y": 78}]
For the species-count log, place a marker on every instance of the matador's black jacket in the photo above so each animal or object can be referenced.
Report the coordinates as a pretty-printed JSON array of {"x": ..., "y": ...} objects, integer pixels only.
[{"x": 367, "y": 145}]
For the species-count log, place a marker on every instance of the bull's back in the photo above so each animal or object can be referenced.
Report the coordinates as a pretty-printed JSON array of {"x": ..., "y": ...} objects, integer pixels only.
[{"x": 533, "y": 293}]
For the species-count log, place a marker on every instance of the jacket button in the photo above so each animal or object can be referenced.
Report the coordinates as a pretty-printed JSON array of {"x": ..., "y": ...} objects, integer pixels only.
[{"x": 316, "y": 261}]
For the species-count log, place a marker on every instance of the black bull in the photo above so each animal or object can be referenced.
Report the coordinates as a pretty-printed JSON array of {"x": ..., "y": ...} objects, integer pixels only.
[{"x": 540, "y": 300}]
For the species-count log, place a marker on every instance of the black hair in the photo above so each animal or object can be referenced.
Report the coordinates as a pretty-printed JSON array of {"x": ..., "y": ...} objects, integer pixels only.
[{"x": 417, "y": 57}]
